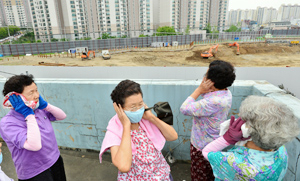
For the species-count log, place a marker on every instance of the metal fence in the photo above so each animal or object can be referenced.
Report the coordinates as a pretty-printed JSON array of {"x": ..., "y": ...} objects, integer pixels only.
[{"x": 53, "y": 47}]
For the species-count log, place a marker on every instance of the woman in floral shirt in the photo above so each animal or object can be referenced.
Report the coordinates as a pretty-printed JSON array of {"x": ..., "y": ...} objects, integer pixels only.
[
  {"x": 270, "y": 124},
  {"x": 208, "y": 113},
  {"x": 136, "y": 137}
]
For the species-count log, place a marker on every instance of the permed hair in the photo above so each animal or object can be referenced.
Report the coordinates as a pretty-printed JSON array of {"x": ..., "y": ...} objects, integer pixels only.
[
  {"x": 271, "y": 123},
  {"x": 221, "y": 73},
  {"x": 17, "y": 83},
  {"x": 125, "y": 89}
]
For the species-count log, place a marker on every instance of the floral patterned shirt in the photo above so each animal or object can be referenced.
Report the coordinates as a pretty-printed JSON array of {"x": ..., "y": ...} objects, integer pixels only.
[
  {"x": 242, "y": 163},
  {"x": 148, "y": 163},
  {"x": 208, "y": 113}
]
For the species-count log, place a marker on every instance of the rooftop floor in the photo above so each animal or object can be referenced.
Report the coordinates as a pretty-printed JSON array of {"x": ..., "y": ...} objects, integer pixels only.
[{"x": 85, "y": 166}]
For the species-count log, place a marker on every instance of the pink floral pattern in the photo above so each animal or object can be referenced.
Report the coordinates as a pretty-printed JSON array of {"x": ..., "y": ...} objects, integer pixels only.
[{"x": 148, "y": 163}]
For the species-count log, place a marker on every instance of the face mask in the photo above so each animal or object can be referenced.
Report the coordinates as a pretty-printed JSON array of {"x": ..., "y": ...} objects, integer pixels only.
[
  {"x": 1, "y": 158},
  {"x": 6, "y": 103},
  {"x": 37, "y": 105},
  {"x": 136, "y": 116}
]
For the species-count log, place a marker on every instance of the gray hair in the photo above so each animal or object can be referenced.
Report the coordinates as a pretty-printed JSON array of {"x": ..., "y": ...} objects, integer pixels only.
[{"x": 271, "y": 123}]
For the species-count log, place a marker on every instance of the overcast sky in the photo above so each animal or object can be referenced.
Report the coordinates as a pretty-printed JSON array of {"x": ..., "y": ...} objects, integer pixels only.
[{"x": 252, "y": 4}]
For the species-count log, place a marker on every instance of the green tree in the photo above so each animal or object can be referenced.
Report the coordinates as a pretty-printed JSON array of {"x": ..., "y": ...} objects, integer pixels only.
[
  {"x": 187, "y": 30},
  {"x": 165, "y": 31},
  {"x": 63, "y": 39},
  {"x": 54, "y": 39},
  {"x": 208, "y": 28},
  {"x": 142, "y": 35},
  {"x": 3, "y": 33},
  {"x": 233, "y": 28},
  {"x": 39, "y": 41},
  {"x": 124, "y": 36},
  {"x": 105, "y": 36},
  {"x": 87, "y": 38}
]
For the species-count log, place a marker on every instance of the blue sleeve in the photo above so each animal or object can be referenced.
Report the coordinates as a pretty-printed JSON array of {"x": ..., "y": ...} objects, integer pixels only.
[{"x": 221, "y": 168}]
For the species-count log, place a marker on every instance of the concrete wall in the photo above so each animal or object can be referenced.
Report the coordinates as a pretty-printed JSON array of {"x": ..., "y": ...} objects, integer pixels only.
[{"x": 89, "y": 108}]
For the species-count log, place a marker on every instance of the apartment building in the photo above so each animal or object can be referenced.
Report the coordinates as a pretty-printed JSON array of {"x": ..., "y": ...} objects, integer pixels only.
[
  {"x": 15, "y": 12},
  {"x": 217, "y": 13},
  {"x": 193, "y": 13},
  {"x": 140, "y": 17},
  {"x": 46, "y": 19},
  {"x": 288, "y": 12}
]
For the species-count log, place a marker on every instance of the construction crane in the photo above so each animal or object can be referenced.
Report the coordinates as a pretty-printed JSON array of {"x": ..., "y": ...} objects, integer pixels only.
[
  {"x": 86, "y": 56},
  {"x": 210, "y": 53},
  {"x": 237, "y": 45}
]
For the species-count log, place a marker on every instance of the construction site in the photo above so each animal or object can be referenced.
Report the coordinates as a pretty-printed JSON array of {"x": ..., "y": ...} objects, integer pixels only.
[{"x": 251, "y": 54}]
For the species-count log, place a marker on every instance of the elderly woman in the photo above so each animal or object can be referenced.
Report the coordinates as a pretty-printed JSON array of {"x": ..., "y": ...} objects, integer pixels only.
[
  {"x": 270, "y": 124},
  {"x": 135, "y": 137},
  {"x": 28, "y": 132}
]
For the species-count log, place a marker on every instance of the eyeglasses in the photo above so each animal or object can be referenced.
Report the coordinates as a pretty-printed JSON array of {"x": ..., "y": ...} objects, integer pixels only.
[{"x": 133, "y": 109}]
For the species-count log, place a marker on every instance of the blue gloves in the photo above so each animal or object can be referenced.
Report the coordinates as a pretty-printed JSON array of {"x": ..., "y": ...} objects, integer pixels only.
[
  {"x": 20, "y": 106},
  {"x": 42, "y": 103}
]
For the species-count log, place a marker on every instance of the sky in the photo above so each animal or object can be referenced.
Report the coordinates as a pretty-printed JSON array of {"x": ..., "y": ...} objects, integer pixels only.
[{"x": 253, "y": 4}]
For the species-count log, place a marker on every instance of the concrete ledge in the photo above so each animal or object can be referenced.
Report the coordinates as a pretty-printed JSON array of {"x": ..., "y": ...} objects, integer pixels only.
[{"x": 88, "y": 107}]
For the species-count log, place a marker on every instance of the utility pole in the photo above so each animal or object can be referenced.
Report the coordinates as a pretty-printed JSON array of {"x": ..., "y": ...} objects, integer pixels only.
[{"x": 8, "y": 34}]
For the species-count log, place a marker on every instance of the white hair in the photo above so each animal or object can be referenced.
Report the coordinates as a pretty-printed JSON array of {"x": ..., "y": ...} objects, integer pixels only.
[{"x": 271, "y": 123}]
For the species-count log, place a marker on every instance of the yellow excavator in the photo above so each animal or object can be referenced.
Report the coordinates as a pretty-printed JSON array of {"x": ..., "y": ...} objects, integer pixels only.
[{"x": 86, "y": 56}]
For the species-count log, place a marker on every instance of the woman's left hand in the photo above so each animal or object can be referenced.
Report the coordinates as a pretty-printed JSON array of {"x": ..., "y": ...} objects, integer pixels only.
[
  {"x": 148, "y": 115},
  {"x": 42, "y": 103}
]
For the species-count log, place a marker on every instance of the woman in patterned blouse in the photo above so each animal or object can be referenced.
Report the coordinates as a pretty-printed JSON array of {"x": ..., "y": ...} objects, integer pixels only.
[
  {"x": 208, "y": 113},
  {"x": 136, "y": 137},
  {"x": 271, "y": 124}
]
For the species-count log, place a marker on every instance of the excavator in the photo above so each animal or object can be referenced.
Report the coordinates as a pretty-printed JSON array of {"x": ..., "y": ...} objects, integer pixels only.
[
  {"x": 86, "y": 56},
  {"x": 237, "y": 45},
  {"x": 210, "y": 53}
]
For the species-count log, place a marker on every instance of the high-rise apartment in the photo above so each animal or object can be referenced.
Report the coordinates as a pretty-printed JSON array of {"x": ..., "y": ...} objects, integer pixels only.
[
  {"x": 217, "y": 13},
  {"x": 193, "y": 13},
  {"x": 14, "y": 12},
  {"x": 46, "y": 19},
  {"x": 288, "y": 12}
]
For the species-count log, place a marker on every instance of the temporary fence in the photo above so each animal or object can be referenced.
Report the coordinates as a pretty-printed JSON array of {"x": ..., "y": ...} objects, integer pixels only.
[{"x": 141, "y": 42}]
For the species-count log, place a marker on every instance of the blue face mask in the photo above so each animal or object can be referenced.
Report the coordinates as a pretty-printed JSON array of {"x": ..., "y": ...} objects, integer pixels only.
[
  {"x": 136, "y": 116},
  {"x": 1, "y": 158}
]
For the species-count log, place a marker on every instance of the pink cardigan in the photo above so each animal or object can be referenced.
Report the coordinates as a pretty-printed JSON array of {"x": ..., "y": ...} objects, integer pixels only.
[{"x": 113, "y": 135}]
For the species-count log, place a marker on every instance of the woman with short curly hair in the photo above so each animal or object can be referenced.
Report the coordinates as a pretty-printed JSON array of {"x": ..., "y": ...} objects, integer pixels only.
[
  {"x": 208, "y": 113},
  {"x": 271, "y": 124},
  {"x": 28, "y": 132},
  {"x": 136, "y": 137}
]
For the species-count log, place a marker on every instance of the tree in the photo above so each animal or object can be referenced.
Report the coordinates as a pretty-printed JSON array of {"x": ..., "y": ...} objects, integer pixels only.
[
  {"x": 105, "y": 36},
  {"x": 39, "y": 41},
  {"x": 3, "y": 33},
  {"x": 187, "y": 30},
  {"x": 233, "y": 28},
  {"x": 87, "y": 38},
  {"x": 63, "y": 39},
  {"x": 165, "y": 31},
  {"x": 208, "y": 28},
  {"x": 124, "y": 36},
  {"x": 54, "y": 39},
  {"x": 142, "y": 35}
]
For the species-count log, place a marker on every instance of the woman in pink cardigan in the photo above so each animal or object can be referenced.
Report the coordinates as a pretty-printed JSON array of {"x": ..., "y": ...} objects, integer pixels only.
[{"x": 135, "y": 137}]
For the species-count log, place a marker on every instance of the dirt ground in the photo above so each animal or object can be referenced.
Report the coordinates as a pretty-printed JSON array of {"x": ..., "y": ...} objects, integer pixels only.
[{"x": 251, "y": 55}]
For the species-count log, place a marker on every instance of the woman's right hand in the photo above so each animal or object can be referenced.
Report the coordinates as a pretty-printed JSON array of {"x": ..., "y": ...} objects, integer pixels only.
[
  {"x": 20, "y": 106},
  {"x": 206, "y": 86},
  {"x": 121, "y": 114}
]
